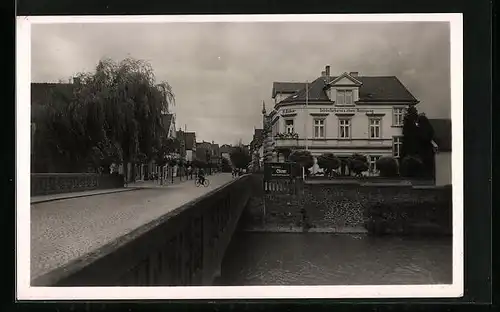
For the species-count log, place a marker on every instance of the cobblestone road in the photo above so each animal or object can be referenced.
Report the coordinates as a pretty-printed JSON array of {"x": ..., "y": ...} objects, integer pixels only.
[{"x": 66, "y": 229}]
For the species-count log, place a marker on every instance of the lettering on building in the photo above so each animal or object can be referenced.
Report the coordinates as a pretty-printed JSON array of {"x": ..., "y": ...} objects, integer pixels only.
[
  {"x": 346, "y": 110},
  {"x": 288, "y": 111}
]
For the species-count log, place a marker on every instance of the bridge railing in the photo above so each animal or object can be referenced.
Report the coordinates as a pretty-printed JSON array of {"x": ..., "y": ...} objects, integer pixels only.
[
  {"x": 56, "y": 183},
  {"x": 282, "y": 186},
  {"x": 183, "y": 248}
]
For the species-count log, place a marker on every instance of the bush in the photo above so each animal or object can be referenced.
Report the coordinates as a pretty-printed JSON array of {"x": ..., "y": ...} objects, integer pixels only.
[
  {"x": 303, "y": 158},
  {"x": 388, "y": 166},
  {"x": 328, "y": 162},
  {"x": 358, "y": 163},
  {"x": 412, "y": 166}
]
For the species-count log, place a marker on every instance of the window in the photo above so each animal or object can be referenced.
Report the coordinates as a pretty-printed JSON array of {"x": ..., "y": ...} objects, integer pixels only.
[
  {"x": 374, "y": 128},
  {"x": 289, "y": 126},
  {"x": 319, "y": 128},
  {"x": 398, "y": 116},
  {"x": 344, "y": 97},
  {"x": 372, "y": 162},
  {"x": 344, "y": 128},
  {"x": 396, "y": 146}
]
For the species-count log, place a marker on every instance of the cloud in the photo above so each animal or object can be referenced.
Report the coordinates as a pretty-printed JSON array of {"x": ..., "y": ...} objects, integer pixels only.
[{"x": 221, "y": 72}]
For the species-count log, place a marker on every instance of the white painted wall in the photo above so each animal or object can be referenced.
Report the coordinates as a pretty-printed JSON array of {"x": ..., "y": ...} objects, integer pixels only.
[
  {"x": 443, "y": 168},
  {"x": 303, "y": 121}
]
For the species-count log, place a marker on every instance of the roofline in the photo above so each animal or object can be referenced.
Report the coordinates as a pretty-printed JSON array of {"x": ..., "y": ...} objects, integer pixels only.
[
  {"x": 345, "y": 74},
  {"x": 406, "y": 102}
]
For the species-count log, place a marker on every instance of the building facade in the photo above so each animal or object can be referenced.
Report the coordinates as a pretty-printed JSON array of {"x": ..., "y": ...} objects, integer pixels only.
[{"x": 343, "y": 115}]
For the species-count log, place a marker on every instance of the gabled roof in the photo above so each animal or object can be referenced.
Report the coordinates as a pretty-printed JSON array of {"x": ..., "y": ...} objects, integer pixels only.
[
  {"x": 286, "y": 87},
  {"x": 167, "y": 121},
  {"x": 345, "y": 75},
  {"x": 372, "y": 89},
  {"x": 442, "y": 133}
]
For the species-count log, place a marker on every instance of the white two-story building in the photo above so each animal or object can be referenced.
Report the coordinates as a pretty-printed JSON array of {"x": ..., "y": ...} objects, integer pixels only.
[{"x": 342, "y": 115}]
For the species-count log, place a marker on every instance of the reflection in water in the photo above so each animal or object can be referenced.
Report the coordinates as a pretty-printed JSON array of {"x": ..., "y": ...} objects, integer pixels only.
[{"x": 335, "y": 259}]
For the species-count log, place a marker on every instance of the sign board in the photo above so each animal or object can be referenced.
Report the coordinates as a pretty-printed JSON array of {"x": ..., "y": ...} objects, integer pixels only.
[{"x": 278, "y": 170}]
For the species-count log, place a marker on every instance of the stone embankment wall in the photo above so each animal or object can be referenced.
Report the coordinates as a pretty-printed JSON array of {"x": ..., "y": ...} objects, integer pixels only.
[{"x": 327, "y": 206}]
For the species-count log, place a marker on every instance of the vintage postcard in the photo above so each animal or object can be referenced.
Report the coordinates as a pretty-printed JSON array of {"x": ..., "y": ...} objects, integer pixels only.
[{"x": 224, "y": 157}]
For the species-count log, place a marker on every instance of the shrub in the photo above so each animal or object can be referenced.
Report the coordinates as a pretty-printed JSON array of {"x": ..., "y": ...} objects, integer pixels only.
[
  {"x": 328, "y": 162},
  {"x": 388, "y": 166},
  {"x": 412, "y": 166},
  {"x": 303, "y": 158},
  {"x": 358, "y": 163}
]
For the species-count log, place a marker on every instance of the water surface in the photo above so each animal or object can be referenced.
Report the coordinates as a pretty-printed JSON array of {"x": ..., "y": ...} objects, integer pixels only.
[{"x": 335, "y": 259}]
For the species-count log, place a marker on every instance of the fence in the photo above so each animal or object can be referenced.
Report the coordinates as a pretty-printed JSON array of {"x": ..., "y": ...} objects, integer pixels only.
[
  {"x": 56, "y": 183},
  {"x": 282, "y": 186},
  {"x": 183, "y": 248}
]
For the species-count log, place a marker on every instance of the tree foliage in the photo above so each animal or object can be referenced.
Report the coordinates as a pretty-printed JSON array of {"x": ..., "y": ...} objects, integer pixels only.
[
  {"x": 412, "y": 166},
  {"x": 388, "y": 166},
  {"x": 303, "y": 158},
  {"x": 328, "y": 162},
  {"x": 113, "y": 115},
  {"x": 286, "y": 152},
  {"x": 240, "y": 157},
  {"x": 417, "y": 141},
  {"x": 358, "y": 164}
]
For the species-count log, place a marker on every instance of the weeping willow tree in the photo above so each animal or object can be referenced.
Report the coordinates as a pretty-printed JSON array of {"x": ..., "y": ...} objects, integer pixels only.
[{"x": 112, "y": 116}]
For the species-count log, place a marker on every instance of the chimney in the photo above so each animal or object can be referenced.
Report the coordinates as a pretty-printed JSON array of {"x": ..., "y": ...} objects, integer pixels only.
[
  {"x": 354, "y": 74},
  {"x": 323, "y": 74},
  {"x": 327, "y": 73}
]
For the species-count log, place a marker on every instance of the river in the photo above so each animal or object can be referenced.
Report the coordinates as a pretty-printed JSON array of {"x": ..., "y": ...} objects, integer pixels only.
[{"x": 335, "y": 259}]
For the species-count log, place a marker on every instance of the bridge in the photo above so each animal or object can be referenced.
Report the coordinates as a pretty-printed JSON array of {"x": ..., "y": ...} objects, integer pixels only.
[{"x": 239, "y": 231}]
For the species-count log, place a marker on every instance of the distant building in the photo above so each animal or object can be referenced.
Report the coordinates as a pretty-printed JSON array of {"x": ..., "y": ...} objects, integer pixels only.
[
  {"x": 188, "y": 144},
  {"x": 442, "y": 140},
  {"x": 203, "y": 151},
  {"x": 215, "y": 151},
  {"x": 225, "y": 151},
  {"x": 345, "y": 114},
  {"x": 169, "y": 125}
]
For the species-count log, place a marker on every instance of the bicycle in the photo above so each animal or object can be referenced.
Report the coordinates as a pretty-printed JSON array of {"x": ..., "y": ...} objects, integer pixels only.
[{"x": 198, "y": 183}]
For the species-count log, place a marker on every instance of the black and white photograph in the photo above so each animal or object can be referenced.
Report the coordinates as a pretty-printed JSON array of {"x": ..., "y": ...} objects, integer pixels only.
[{"x": 190, "y": 157}]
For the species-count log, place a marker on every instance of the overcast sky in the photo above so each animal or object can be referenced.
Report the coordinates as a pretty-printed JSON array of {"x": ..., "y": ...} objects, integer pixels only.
[{"x": 221, "y": 72}]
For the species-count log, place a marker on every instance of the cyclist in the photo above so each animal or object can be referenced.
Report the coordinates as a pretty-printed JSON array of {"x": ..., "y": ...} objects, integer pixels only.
[{"x": 201, "y": 176}]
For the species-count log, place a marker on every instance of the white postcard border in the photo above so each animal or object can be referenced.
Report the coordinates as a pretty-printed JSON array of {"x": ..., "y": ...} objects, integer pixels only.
[{"x": 23, "y": 77}]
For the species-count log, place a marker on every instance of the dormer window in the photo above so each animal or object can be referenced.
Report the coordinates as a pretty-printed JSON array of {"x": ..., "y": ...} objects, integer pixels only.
[{"x": 344, "y": 97}]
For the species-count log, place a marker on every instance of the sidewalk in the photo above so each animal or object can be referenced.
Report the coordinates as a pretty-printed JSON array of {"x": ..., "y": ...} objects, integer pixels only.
[
  {"x": 64, "y": 230},
  {"x": 130, "y": 187}
]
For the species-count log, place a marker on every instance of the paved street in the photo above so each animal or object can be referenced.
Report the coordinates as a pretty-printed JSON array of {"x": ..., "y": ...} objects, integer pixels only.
[{"x": 66, "y": 229}]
